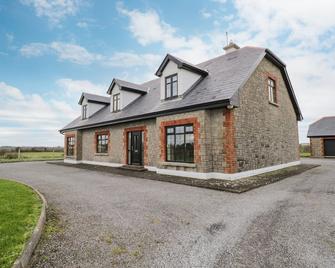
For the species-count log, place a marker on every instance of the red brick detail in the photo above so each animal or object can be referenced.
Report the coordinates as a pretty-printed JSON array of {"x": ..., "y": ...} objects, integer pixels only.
[
  {"x": 196, "y": 130},
  {"x": 230, "y": 142},
  {"x": 68, "y": 135},
  {"x": 145, "y": 145},
  {"x": 101, "y": 132}
]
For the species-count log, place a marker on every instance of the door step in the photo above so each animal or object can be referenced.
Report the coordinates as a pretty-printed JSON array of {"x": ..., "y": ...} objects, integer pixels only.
[{"x": 134, "y": 168}]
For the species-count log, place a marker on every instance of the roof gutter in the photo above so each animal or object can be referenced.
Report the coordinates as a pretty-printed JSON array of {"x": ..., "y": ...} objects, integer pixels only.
[
  {"x": 210, "y": 105},
  {"x": 275, "y": 60}
]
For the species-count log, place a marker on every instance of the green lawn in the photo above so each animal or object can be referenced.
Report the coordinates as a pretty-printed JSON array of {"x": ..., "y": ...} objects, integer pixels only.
[
  {"x": 305, "y": 154},
  {"x": 31, "y": 156},
  {"x": 20, "y": 208}
]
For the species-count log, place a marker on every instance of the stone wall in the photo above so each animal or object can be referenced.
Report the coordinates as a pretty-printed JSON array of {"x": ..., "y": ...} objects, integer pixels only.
[
  {"x": 208, "y": 131},
  {"x": 116, "y": 153},
  {"x": 316, "y": 147},
  {"x": 266, "y": 134}
]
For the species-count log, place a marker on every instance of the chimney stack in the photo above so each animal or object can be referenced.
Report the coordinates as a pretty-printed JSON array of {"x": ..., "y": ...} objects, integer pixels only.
[{"x": 230, "y": 47}]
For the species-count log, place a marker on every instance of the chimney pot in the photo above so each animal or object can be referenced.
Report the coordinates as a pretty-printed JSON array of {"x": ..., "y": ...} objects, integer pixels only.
[{"x": 230, "y": 47}]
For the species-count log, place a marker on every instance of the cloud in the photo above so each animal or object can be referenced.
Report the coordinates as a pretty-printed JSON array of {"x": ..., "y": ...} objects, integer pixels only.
[
  {"x": 64, "y": 51},
  {"x": 82, "y": 24},
  {"x": 76, "y": 87},
  {"x": 129, "y": 59},
  {"x": 30, "y": 119},
  {"x": 148, "y": 28},
  {"x": 54, "y": 10},
  {"x": 205, "y": 14},
  {"x": 10, "y": 91},
  {"x": 34, "y": 49},
  {"x": 301, "y": 25},
  {"x": 80, "y": 55},
  {"x": 74, "y": 53}
]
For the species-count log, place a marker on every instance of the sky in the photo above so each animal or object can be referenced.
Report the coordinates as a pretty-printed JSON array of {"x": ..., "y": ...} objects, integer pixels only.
[{"x": 52, "y": 50}]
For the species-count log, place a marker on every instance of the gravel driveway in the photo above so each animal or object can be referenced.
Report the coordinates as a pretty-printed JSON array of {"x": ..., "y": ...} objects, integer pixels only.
[{"x": 116, "y": 221}]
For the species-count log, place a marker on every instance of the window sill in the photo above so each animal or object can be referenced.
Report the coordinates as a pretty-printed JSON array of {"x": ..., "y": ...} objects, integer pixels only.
[
  {"x": 172, "y": 99},
  {"x": 179, "y": 164},
  {"x": 274, "y": 104},
  {"x": 101, "y": 154}
]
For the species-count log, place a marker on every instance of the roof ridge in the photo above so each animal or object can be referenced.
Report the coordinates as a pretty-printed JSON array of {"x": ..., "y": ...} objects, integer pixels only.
[
  {"x": 225, "y": 55},
  {"x": 121, "y": 80},
  {"x": 95, "y": 94}
]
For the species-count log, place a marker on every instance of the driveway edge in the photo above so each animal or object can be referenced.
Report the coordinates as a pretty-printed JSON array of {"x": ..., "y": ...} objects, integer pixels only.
[
  {"x": 234, "y": 186},
  {"x": 23, "y": 260}
]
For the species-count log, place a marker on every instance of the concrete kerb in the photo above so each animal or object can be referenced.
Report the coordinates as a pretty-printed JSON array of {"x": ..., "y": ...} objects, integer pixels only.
[{"x": 23, "y": 260}]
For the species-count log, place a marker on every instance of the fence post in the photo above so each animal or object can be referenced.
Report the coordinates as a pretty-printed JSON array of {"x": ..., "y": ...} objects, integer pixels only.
[{"x": 19, "y": 153}]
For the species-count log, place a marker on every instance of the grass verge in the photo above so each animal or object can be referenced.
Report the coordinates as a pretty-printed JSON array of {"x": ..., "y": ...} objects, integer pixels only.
[
  {"x": 48, "y": 245},
  {"x": 20, "y": 208},
  {"x": 33, "y": 156}
]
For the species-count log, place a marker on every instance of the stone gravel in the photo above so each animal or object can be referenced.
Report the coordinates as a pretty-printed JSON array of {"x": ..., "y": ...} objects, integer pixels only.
[{"x": 109, "y": 220}]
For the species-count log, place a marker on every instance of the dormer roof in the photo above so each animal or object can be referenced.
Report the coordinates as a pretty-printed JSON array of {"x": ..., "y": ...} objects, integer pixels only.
[
  {"x": 94, "y": 98},
  {"x": 181, "y": 64},
  {"x": 128, "y": 86}
]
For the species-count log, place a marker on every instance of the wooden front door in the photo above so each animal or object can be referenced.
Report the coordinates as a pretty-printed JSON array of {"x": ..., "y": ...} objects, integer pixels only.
[{"x": 136, "y": 148}]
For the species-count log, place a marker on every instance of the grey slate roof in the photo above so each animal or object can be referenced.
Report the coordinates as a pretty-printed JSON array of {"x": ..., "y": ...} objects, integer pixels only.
[
  {"x": 226, "y": 75},
  {"x": 125, "y": 85},
  {"x": 323, "y": 127},
  {"x": 94, "y": 98}
]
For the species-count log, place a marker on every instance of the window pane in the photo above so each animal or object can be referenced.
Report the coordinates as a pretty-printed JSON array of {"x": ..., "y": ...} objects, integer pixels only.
[
  {"x": 174, "y": 89},
  {"x": 189, "y": 128},
  {"x": 180, "y": 129},
  {"x": 189, "y": 148},
  {"x": 179, "y": 148},
  {"x": 174, "y": 78},
  {"x": 170, "y": 130},
  {"x": 168, "y": 80},
  {"x": 168, "y": 90},
  {"x": 170, "y": 148}
]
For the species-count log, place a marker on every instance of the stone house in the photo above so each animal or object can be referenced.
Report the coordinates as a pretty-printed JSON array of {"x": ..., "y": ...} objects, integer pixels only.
[
  {"x": 229, "y": 117},
  {"x": 322, "y": 137}
]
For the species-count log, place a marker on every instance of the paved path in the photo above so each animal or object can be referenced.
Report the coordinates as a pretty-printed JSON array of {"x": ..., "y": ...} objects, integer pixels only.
[{"x": 117, "y": 221}]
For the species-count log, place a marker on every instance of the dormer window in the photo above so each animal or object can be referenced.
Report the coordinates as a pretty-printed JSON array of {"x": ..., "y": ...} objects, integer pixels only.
[
  {"x": 171, "y": 86},
  {"x": 84, "y": 111},
  {"x": 116, "y": 102}
]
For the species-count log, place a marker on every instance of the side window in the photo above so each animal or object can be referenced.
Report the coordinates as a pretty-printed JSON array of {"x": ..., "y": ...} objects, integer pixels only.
[
  {"x": 70, "y": 146},
  {"x": 272, "y": 90}
]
